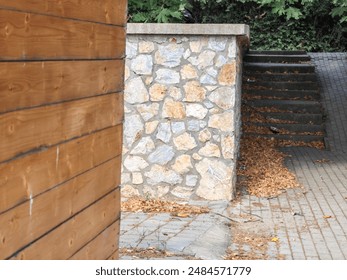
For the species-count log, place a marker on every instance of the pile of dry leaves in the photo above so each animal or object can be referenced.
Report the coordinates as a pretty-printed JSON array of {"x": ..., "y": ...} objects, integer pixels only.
[
  {"x": 139, "y": 204},
  {"x": 262, "y": 166}
]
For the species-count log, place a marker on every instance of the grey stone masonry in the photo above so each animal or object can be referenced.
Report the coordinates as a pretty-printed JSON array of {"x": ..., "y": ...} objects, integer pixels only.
[{"x": 182, "y": 110}]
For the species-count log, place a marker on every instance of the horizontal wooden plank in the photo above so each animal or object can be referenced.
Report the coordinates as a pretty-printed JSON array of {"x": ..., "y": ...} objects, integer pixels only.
[
  {"x": 68, "y": 238},
  {"x": 28, "y": 84},
  {"x": 26, "y": 130},
  {"x": 29, "y": 36},
  {"x": 34, "y": 218},
  {"x": 101, "y": 247},
  {"x": 114, "y": 256},
  {"x": 36, "y": 173},
  {"x": 104, "y": 11}
]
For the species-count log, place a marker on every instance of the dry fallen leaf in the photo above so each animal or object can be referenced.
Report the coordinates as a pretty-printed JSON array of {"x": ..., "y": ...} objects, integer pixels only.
[
  {"x": 139, "y": 204},
  {"x": 275, "y": 239},
  {"x": 181, "y": 215},
  {"x": 327, "y": 216}
]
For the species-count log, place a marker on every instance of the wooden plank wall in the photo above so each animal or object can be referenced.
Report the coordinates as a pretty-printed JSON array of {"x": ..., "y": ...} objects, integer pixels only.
[{"x": 61, "y": 115}]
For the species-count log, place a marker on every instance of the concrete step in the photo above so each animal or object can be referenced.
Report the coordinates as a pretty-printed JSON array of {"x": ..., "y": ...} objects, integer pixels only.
[
  {"x": 248, "y": 84},
  {"x": 291, "y": 137},
  {"x": 283, "y": 94},
  {"x": 295, "y": 106},
  {"x": 293, "y": 127},
  {"x": 295, "y": 117},
  {"x": 277, "y": 52},
  {"x": 280, "y": 77},
  {"x": 277, "y": 58},
  {"x": 277, "y": 68}
]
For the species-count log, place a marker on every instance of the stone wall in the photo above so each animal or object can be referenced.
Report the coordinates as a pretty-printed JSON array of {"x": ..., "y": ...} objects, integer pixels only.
[{"x": 182, "y": 110}]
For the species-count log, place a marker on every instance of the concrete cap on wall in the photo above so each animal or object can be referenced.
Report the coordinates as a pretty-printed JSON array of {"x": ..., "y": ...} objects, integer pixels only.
[{"x": 188, "y": 29}]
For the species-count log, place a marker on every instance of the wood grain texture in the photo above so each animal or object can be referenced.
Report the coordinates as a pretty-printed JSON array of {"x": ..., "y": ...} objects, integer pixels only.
[
  {"x": 30, "y": 220},
  {"x": 104, "y": 11},
  {"x": 76, "y": 232},
  {"x": 25, "y": 130},
  {"x": 28, "y": 84},
  {"x": 36, "y": 173},
  {"x": 114, "y": 256},
  {"x": 26, "y": 36},
  {"x": 101, "y": 247}
]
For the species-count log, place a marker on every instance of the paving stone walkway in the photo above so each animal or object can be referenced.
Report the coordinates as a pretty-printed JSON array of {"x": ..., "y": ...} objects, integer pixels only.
[{"x": 304, "y": 223}]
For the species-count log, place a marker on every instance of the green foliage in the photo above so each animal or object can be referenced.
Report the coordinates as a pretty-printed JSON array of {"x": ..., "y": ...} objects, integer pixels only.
[
  {"x": 159, "y": 11},
  {"x": 340, "y": 10},
  {"x": 311, "y": 25},
  {"x": 282, "y": 24}
]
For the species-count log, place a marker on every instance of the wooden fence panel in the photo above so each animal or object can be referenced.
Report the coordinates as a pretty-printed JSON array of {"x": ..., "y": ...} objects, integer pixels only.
[
  {"x": 39, "y": 172},
  {"x": 102, "y": 246},
  {"x": 49, "y": 125},
  {"x": 26, "y": 84},
  {"x": 71, "y": 236},
  {"x": 31, "y": 37},
  {"x": 42, "y": 213},
  {"x": 106, "y": 11},
  {"x": 61, "y": 115}
]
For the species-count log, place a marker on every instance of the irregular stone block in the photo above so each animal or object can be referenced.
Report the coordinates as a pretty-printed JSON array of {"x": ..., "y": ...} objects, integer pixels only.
[
  {"x": 142, "y": 64},
  {"x": 151, "y": 126},
  {"x": 135, "y": 163},
  {"x": 185, "y": 142},
  {"x": 177, "y": 127},
  {"x": 167, "y": 76},
  {"x": 204, "y": 135},
  {"x": 193, "y": 125},
  {"x": 227, "y": 74},
  {"x": 220, "y": 61},
  {"x": 192, "y": 180},
  {"x": 148, "y": 111},
  {"x": 197, "y": 45},
  {"x": 223, "y": 97},
  {"x": 173, "y": 109},
  {"x": 157, "y": 92},
  {"x": 160, "y": 174},
  {"x": 182, "y": 164},
  {"x": 216, "y": 180},
  {"x": 188, "y": 72},
  {"x": 137, "y": 178},
  {"x": 146, "y": 47},
  {"x": 125, "y": 177},
  {"x": 228, "y": 146},
  {"x": 135, "y": 91},
  {"x": 207, "y": 80},
  {"x": 205, "y": 59},
  {"x": 232, "y": 49},
  {"x": 182, "y": 192},
  {"x": 210, "y": 150},
  {"x": 223, "y": 122},
  {"x": 175, "y": 92},
  {"x": 128, "y": 191},
  {"x": 217, "y": 44},
  {"x": 126, "y": 73},
  {"x": 164, "y": 132},
  {"x": 131, "y": 50},
  {"x": 162, "y": 155},
  {"x": 145, "y": 146},
  {"x": 169, "y": 56},
  {"x": 133, "y": 129},
  {"x": 194, "y": 92},
  {"x": 196, "y": 110}
]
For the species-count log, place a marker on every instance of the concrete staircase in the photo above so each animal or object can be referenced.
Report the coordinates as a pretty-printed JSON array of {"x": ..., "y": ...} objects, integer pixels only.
[{"x": 281, "y": 98}]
